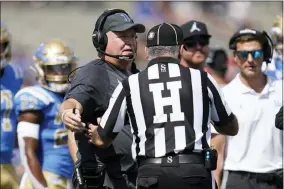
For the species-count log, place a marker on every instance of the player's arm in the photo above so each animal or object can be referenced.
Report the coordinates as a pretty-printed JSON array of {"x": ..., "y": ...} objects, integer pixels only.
[
  {"x": 72, "y": 145},
  {"x": 28, "y": 109},
  {"x": 112, "y": 121},
  {"x": 28, "y": 135},
  {"x": 225, "y": 122}
]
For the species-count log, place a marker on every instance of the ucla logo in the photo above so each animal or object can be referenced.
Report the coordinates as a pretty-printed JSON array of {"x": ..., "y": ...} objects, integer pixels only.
[{"x": 126, "y": 17}]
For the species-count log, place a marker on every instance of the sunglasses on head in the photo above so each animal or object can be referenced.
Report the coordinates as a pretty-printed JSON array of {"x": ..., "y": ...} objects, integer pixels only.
[
  {"x": 190, "y": 43},
  {"x": 256, "y": 54}
]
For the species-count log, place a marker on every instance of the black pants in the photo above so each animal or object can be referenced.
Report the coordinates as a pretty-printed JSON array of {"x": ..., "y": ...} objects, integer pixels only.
[
  {"x": 181, "y": 176},
  {"x": 245, "y": 180}
]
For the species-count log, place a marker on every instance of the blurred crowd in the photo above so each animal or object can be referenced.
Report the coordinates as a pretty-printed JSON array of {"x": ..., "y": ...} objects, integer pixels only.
[{"x": 41, "y": 20}]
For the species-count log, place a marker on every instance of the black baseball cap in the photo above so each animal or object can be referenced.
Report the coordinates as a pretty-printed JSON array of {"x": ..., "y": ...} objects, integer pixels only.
[
  {"x": 243, "y": 32},
  {"x": 164, "y": 34},
  {"x": 194, "y": 28},
  {"x": 121, "y": 22}
]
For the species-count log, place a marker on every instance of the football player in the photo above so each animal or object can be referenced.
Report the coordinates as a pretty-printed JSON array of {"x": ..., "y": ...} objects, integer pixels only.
[
  {"x": 275, "y": 68},
  {"x": 41, "y": 134},
  {"x": 11, "y": 78}
]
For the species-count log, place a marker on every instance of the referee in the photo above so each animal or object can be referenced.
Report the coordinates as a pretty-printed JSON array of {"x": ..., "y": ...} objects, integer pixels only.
[{"x": 169, "y": 107}]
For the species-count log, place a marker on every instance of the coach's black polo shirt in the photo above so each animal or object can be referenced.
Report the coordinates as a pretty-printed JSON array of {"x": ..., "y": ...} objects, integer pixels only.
[{"x": 92, "y": 86}]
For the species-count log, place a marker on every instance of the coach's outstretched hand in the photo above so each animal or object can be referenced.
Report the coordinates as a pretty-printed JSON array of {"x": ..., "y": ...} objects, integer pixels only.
[{"x": 71, "y": 118}]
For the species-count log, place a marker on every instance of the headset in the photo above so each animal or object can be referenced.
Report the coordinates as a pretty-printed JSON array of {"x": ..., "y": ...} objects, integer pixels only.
[
  {"x": 264, "y": 38},
  {"x": 99, "y": 37}
]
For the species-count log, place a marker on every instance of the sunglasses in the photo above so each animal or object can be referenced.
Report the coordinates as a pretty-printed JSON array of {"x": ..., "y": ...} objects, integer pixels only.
[
  {"x": 256, "y": 54},
  {"x": 193, "y": 42}
]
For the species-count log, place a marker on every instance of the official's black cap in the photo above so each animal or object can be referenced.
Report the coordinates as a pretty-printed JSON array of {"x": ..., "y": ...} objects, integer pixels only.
[
  {"x": 164, "y": 34},
  {"x": 194, "y": 28},
  {"x": 121, "y": 22}
]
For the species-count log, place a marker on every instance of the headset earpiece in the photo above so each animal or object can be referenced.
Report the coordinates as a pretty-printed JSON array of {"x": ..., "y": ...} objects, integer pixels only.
[
  {"x": 99, "y": 37},
  {"x": 267, "y": 47},
  {"x": 232, "y": 44}
]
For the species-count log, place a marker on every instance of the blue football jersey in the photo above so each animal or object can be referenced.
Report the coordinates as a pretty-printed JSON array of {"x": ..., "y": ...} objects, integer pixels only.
[
  {"x": 275, "y": 68},
  {"x": 53, "y": 152},
  {"x": 11, "y": 81},
  {"x": 12, "y": 77}
]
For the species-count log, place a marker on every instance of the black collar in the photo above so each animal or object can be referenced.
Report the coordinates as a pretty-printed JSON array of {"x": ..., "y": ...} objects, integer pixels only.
[
  {"x": 117, "y": 69},
  {"x": 163, "y": 60}
]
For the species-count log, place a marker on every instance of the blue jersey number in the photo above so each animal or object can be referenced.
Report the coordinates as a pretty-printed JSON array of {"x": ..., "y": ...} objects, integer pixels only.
[
  {"x": 28, "y": 102},
  {"x": 60, "y": 137},
  {"x": 6, "y": 96}
]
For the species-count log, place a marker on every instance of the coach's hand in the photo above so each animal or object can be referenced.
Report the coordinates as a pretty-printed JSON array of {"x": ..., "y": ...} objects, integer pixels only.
[{"x": 71, "y": 118}]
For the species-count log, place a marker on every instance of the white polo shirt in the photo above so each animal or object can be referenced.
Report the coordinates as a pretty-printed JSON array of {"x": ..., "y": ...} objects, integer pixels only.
[{"x": 258, "y": 145}]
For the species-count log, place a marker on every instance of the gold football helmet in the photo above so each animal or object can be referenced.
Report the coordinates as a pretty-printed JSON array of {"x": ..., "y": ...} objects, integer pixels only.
[
  {"x": 54, "y": 60},
  {"x": 277, "y": 37},
  {"x": 5, "y": 42},
  {"x": 277, "y": 31}
]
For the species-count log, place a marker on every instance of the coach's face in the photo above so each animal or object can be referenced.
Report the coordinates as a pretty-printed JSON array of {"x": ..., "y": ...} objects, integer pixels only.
[
  {"x": 122, "y": 43},
  {"x": 249, "y": 57},
  {"x": 195, "y": 50}
]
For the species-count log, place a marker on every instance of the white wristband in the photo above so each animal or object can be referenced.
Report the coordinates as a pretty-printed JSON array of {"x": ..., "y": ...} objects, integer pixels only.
[{"x": 63, "y": 113}]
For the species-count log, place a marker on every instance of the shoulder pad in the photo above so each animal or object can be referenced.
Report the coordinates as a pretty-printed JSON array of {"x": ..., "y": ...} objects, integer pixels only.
[
  {"x": 31, "y": 98},
  {"x": 17, "y": 71}
]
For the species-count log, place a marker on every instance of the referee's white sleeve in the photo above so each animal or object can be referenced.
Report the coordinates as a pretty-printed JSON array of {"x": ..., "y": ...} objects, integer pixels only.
[
  {"x": 220, "y": 113},
  {"x": 113, "y": 119}
]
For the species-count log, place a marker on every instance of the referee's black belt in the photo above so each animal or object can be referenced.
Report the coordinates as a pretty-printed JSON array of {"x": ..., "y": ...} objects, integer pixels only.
[{"x": 192, "y": 158}]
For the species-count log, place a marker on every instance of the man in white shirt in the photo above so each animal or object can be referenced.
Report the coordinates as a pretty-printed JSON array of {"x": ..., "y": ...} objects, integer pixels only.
[{"x": 253, "y": 158}]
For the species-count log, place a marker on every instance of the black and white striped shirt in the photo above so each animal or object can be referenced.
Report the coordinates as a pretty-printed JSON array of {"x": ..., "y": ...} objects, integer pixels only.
[{"x": 169, "y": 107}]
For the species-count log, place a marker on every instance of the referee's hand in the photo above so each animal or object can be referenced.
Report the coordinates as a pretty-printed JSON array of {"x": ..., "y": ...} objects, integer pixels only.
[
  {"x": 93, "y": 133},
  {"x": 71, "y": 118},
  {"x": 94, "y": 136}
]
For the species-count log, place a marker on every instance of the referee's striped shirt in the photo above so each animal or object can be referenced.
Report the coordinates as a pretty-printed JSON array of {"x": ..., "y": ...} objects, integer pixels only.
[{"x": 169, "y": 108}]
